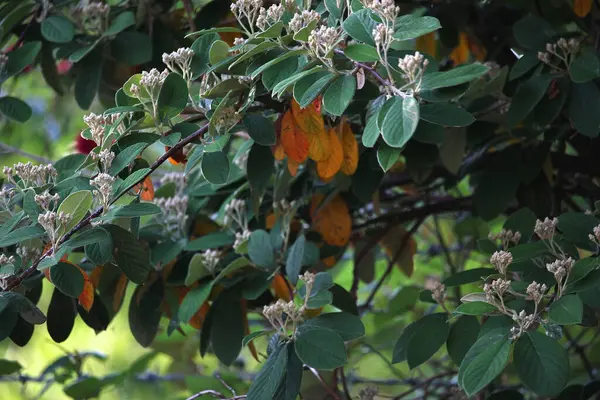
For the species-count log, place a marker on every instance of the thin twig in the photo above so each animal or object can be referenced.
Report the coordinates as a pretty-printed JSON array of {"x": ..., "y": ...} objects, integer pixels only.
[
  {"x": 189, "y": 10},
  {"x": 446, "y": 252},
  {"x": 344, "y": 383},
  {"x": 368, "y": 68},
  {"x": 10, "y": 149},
  {"x": 425, "y": 384},
  {"x": 215, "y": 394},
  {"x": 325, "y": 385},
  {"x": 161, "y": 160}
]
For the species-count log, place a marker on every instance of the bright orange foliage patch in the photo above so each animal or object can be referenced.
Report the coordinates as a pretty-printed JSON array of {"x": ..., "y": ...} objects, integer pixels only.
[
  {"x": 293, "y": 140},
  {"x": 332, "y": 220}
]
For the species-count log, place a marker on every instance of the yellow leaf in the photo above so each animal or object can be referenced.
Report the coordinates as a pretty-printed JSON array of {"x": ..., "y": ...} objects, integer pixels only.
[
  {"x": 427, "y": 44},
  {"x": 582, "y": 7},
  {"x": 350, "y": 147},
  {"x": 86, "y": 298},
  {"x": 294, "y": 141},
  {"x": 332, "y": 220},
  {"x": 292, "y": 166},
  {"x": 279, "y": 152},
  {"x": 460, "y": 54},
  {"x": 396, "y": 240},
  {"x": 318, "y": 145},
  {"x": 282, "y": 288},
  {"x": 329, "y": 261},
  {"x": 309, "y": 119},
  {"x": 329, "y": 167}
]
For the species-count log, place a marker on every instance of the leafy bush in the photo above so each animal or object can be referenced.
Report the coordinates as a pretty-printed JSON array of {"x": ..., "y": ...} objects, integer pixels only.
[{"x": 300, "y": 133}]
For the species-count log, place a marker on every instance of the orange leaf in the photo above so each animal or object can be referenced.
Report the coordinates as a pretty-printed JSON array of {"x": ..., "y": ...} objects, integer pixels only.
[
  {"x": 427, "y": 44},
  {"x": 204, "y": 226},
  {"x": 292, "y": 166},
  {"x": 177, "y": 157},
  {"x": 198, "y": 318},
  {"x": 330, "y": 166},
  {"x": 332, "y": 220},
  {"x": 96, "y": 273},
  {"x": 313, "y": 312},
  {"x": 294, "y": 141},
  {"x": 582, "y": 7},
  {"x": 329, "y": 261},
  {"x": 392, "y": 243},
  {"x": 309, "y": 119},
  {"x": 319, "y": 145},
  {"x": 251, "y": 346},
  {"x": 119, "y": 292},
  {"x": 460, "y": 54},
  {"x": 282, "y": 288},
  {"x": 86, "y": 298},
  {"x": 147, "y": 189},
  {"x": 279, "y": 152},
  {"x": 350, "y": 147}
]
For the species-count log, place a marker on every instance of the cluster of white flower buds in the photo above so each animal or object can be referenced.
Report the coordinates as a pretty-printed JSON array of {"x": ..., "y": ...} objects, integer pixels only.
[
  {"x": 52, "y": 222},
  {"x": 269, "y": 17},
  {"x": 559, "y": 51},
  {"x": 524, "y": 321},
  {"x": 94, "y": 15},
  {"x": 283, "y": 206},
  {"x": 226, "y": 118},
  {"x": 386, "y": 9},
  {"x": 30, "y": 175},
  {"x": 368, "y": 393},
  {"x": 247, "y": 9},
  {"x": 414, "y": 67},
  {"x": 498, "y": 287},
  {"x": 560, "y": 269},
  {"x": 6, "y": 273},
  {"x": 4, "y": 260},
  {"x": 177, "y": 178},
  {"x": 596, "y": 236},
  {"x": 501, "y": 260},
  {"x": 106, "y": 158},
  {"x": 274, "y": 314},
  {"x": 506, "y": 237},
  {"x": 6, "y": 195},
  {"x": 322, "y": 40},
  {"x": 438, "y": 292},
  {"x": 104, "y": 184},
  {"x": 180, "y": 62},
  {"x": 174, "y": 212},
  {"x": 536, "y": 291},
  {"x": 98, "y": 124},
  {"x": 28, "y": 254},
  {"x": 383, "y": 36},
  {"x": 235, "y": 215},
  {"x": 210, "y": 259},
  {"x": 303, "y": 19},
  {"x": 545, "y": 229},
  {"x": 47, "y": 201},
  {"x": 241, "y": 238},
  {"x": 151, "y": 81}
]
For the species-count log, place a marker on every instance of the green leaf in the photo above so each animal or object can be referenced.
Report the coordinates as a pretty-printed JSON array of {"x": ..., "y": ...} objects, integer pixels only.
[
  {"x": 94, "y": 235},
  {"x": 308, "y": 88},
  {"x": 522, "y": 221},
  {"x": 88, "y": 80},
  {"x": 268, "y": 379},
  {"x": 387, "y": 156},
  {"x": 22, "y": 57},
  {"x": 568, "y": 310},
  {"x": 211, "y": 241},
  {"x": 583, "y": 105},
  {"x": 274, "y": 31},
  {"x": 215, "y": 167},
  {"x": 294, "y": 260},
  {"x": 227, "y": 333},
  {"x": 528, "y": 95},
  {"x": 100, "y": 252},
  {"x": 136, "y": 177},
  {"x": 132, "y": 48},
  {"x": 360, "y": 25},
  {"x": 218, "y": 52},
  {"x": 526, "y": 63},
  {"x": 260, "y": 249},
  {"x": 577, "y": 227},
  {"x": 254, "y": 335},
  {"x": 409, "y": 27},
  {"x": 77, "y": 205},
  {"x": 121, "y": 22},
  {"x": 532, "y": 32},
  {"x": 484, "y": 362},
  {"x": 541, "y": 363},
  {"x": 238, "y": 263},
  {"x": 137, "y": 210},
  {"x": 475, "y": 308},
  {"x": 259, "y": 49},
  {"x": 192, "y": 302},
  {"x": 281, "y": 87},
  {"x": 453, "y": 77},
  {"x": 585, "y": 67},
  {"x": 463, "y": 334},
  {"x": 346, "y": 325},
  {"x": 67, "y": 278},
  {"x": 145, "y": 311},
  {"x": 201, "y": 47},
  {"x": 446, "y": 114},
  {"x": 468, "y": 276},
  {"x": 173, "y": 97},
  {"x": 196, "y": 270},
  {"x": 361, "y": 52},
  {"x": 57, "y": 29},
  {"x": 292, "y": 60},
  {"x": 84, "y": 388},
  {"x": 260, "y": 167},
  {"x": 400, "y": 121},
  {"x": 321, "y": 349},
  {"x": 8, "y": 367},
  {"x": 429, "y": 334},
  {"x": 126, "y": 157},
  {"x": 15, "y": 109},
  {"x": 260, "y": 129},
  {"x": 131, "y": 255},
  {"x": 335, "y": 8},
  {"x": 339, "y": 94},
  {"x": 371, "y": 132}
]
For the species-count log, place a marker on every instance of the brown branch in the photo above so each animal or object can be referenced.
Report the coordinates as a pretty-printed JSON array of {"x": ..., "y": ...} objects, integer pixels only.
[
  {"x": 189, "y": 10},
  {"x": 161, "y": 160},
  {"x": 329, "y": 390},
  {"x": 368, "y": 68},
  {"x": 425, "y": 384},
  {"x": 344, "y": 383}
]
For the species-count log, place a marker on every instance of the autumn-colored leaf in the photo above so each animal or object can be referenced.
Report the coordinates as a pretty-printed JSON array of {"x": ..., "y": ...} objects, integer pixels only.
[
  {"x": 279, "y": 152},
  {"x": 582, "y": 7},
  {"x": 177, "y": 157},
  {"x": 329, "y": 261},
  {"x": 96, "y": 274},
  {"x": 350, "y": 148},
  {"x": 294, "y": 141},
  {"x": 204, "y": 226},
  {"x": 119, "y": 292},
  {"x": 332, "y": 220},
  {"x": 332, "y": 164},
  {"x": 147, "y": 189},
  {"x": 460, "y": 54},
  {"x": 309, "y": 119},
  {"x": 199, "y": 316},
  {"x": 292, "y": 166},
  {"x": 86, "y": 298},
  {"x": 313, "y": 312},
  {"x": 396, "y": 240},
  {"x": 251, "y": 346},
  {"x": 427, "y": 44},
  {"x": 319, "y": 145},
  {"x": 281, "y": 288}
]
